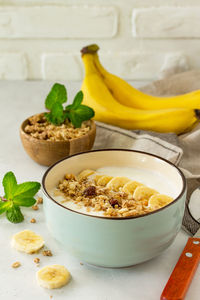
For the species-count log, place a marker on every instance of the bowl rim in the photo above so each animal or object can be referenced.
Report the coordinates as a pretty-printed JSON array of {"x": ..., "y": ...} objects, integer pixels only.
[
  {"x": 116, "y": 218},
  {"x": 93, "y": 128}
]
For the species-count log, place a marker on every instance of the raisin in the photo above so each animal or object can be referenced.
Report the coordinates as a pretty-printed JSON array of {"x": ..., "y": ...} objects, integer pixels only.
[
  {"x": 113, "y": 202},
  {"x": 90, "y": 191}
]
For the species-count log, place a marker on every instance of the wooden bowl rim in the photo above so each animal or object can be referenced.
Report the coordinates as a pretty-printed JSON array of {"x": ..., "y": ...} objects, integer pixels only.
[{"x": 92, "y": 130}]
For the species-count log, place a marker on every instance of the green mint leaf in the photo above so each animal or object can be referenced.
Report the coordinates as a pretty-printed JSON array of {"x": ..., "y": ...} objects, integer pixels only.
[
  {"x": 17, "y": 195},
  {"x": 4, "y": 205},
  {"x": 58, "y": 94},
  {"x": 77, "y": 100},
  {"x": 56, "y": 116},
  {"x": 9, "y": 184},
  {"x": 86, "y": 112},
  {"x": 25, "y": 192},
  {"x": 26, "y": 189},
  {"x": 82, "y": 113},
  {"x": 75, "y": 119},
  {"x": 66, "y": 114},
  {"x": 24, "y": 201},
  {"x": 14, "y": 214}
]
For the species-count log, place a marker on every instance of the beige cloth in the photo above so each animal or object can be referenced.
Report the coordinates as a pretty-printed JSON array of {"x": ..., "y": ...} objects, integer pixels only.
[
  {"x": 190, "y": 143},
  {"x": 183, "y": 150}
]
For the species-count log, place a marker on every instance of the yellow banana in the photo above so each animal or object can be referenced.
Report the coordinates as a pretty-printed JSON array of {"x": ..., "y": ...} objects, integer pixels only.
[
  {"x": 127, "y": 95},
  {"x": 108, "y": 110}
]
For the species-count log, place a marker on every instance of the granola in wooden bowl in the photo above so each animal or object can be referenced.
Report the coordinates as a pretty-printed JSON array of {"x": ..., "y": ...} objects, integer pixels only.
[{"x": 49, "y": 137}]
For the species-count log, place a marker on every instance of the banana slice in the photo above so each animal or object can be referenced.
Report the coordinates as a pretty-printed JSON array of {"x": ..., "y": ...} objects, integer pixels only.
[
  {"x": 117, "y": 182},
  {"x": 53, "y": 277},
  {"x": 103, "y": 180},
  {"x": 159, "y": 200},
  {"x": 27, "y": 241},
  {"x": 143, "y": 192},
  {"x": 130, "y": 187},
  {"x": 85, "y": 174},
  {"x": 97, "y": 177}
]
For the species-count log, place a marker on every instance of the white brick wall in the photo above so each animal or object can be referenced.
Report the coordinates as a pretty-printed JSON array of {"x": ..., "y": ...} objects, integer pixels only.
[
  {"x": 13, "y": 66},
  {"x": 139, "y": 40},
  {"x": 166, "y": 22},
  {"x": 58, "y": 22},
  {"x": 58, "y": 66}
]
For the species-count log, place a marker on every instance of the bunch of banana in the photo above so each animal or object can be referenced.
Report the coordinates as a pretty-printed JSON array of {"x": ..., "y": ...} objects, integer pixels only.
[{"x": 116, "y": 102}]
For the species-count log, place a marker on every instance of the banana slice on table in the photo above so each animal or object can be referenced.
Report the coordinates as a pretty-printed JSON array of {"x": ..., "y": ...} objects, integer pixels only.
[
  {"x": 85, "y": 174},
  {"x": 130, "y": 187},
  {"x": 27, "y": 241},
  {"x": 143, "y": 192},
  {"x": 117, "y": 182},
  {"x": 159, "y": 200},
  {"x": 53, "y": 277},
  {"x": 103, "y": 180}
]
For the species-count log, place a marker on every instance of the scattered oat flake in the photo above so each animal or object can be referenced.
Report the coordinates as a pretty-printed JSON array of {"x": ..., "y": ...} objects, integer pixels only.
[
  {"x": 33, "y": 220},
  {"x": 39, "y": 200},
  {"x": 36, "y": 260},
  {"x": 16, "y": 264},
  {"x": 47, "y": 253},
  {"x": 35, "y": 207}
]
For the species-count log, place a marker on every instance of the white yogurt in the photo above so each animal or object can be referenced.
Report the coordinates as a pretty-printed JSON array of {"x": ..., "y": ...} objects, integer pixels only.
[{"x": 149, "y": 178}]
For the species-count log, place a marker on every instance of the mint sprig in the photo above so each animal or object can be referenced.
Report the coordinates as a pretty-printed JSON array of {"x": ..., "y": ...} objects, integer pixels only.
[
  {"x": 58, "y": 94},
  {"x": 76, "y": 113},
  {"x": 16, "y": 195}
]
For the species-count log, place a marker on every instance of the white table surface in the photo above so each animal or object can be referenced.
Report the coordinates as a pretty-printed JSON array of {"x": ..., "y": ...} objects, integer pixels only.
[{"x": 18, "y": 100}]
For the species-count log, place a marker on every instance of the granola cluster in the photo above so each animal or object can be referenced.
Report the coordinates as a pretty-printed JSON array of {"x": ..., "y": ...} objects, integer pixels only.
[
  {"x": 41, "y": 129},
  {"x": 85, "y": 192}
]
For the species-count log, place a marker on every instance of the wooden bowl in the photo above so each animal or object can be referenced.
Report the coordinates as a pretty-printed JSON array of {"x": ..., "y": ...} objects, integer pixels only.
[{"x": 48, "y": 152}]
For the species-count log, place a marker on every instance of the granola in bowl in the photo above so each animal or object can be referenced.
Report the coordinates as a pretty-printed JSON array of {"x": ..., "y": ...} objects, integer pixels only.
[
  {"x": 108, "y": 196},
  {"x": 38, "y": 127}
]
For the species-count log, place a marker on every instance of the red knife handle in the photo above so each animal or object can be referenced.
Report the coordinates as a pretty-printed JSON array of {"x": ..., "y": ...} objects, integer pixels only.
[{"x": 183, "y": 272}]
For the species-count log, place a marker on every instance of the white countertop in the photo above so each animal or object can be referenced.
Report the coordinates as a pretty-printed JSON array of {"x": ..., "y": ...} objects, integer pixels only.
[{"x": 18, "y": 100}]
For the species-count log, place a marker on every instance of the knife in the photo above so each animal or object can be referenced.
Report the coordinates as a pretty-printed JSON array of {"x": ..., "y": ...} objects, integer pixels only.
[
  {"x": 181, "y": 277},
  {"x": 184, "y": 270}
]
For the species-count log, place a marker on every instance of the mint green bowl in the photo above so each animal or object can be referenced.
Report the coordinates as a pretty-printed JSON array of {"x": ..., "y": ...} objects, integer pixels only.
[{"x": 114, "y": 242}]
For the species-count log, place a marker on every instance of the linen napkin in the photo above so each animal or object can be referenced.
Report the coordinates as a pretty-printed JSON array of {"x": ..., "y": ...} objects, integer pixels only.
[
  {"x": 183, "y": 150},
  {"x": 164, "y": 145}
]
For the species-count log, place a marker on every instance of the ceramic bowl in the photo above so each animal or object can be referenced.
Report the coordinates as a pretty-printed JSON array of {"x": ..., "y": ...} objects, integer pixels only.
[
  {"x": 114, "y": 242},
  {"x": 48, "y": 152}
]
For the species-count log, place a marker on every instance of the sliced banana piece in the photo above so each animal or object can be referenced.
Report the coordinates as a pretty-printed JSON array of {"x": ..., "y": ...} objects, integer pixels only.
[
  {"x": 159, "y": 200},
  {"x": 96, "y": 177},
  {"x": 85, "y": 174},
  {"x": 103, "y": 180},
  {"x": 27, "y": 241},
  {"x": 53, "y": 277},
  {"x": 117, "y": 182},
  {"x": 143, "y": 192},
  {"x": 130, "y": 187}
]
